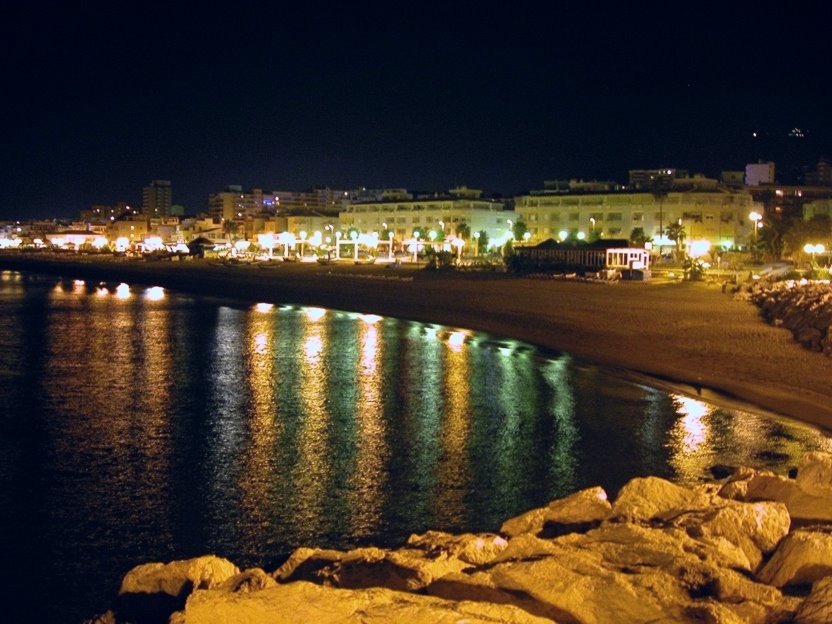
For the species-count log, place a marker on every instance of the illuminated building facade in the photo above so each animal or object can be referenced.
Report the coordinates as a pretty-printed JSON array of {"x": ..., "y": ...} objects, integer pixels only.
[
  {"x": 446, "y": 212},
  {"x": 719, "y": 217}
]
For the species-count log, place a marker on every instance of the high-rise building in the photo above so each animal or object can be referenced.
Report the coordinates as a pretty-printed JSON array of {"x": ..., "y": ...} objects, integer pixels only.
[
  {"x": 759, "y": 173},
  {"x": 156, "y": 199}
]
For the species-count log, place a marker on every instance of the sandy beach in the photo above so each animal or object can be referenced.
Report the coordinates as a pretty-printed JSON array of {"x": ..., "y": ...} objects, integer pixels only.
[{"x": 689, "y": 335}]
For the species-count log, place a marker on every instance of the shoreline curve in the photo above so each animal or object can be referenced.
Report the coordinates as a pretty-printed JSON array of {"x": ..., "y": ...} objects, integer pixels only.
[{"x": 689, "y": 336}]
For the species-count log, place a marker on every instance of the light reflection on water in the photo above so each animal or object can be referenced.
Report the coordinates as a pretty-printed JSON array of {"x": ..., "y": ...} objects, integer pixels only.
[{"x": 141, "y": 426}]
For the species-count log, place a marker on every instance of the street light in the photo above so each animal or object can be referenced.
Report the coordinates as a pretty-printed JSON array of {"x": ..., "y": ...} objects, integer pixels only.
[
  {"x": 756, "y": 217},
  {"x": 302, "y": 242},
  {"x": 592, "y": 224},
  {"x": 814, "y": 249},
  {"x": 354, "y": 237},
  {"x": 477, "y": 247}
]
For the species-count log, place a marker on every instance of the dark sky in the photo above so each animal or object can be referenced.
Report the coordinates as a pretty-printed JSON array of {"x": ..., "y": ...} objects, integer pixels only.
[{"x": 99, "y": 99}]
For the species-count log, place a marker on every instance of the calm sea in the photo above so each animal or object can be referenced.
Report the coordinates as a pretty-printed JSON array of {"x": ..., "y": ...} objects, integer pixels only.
[{"x": 137, "y": 425}]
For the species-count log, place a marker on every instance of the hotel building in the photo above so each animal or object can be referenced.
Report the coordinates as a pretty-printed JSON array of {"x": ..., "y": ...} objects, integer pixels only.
[
  {"x": 446, "y": 212},
  {"x": 719, "y": 216}
]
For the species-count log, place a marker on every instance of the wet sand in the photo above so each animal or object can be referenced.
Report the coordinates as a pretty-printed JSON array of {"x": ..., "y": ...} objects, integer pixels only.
[{"x": 688, "y": 335}]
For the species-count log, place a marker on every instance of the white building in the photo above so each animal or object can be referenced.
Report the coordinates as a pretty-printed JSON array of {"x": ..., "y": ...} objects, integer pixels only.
[
  {"x": 720, "y": 217},
  {"x": 446, "y": 212}
]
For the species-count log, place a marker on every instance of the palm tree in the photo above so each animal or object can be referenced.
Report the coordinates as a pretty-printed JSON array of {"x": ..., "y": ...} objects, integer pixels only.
[
  {"x": 638, "y": 237},
  {"x": 676, "y": 232},
  {"x": 660, "y": 185},
  {"x": 463, "y": 231}
]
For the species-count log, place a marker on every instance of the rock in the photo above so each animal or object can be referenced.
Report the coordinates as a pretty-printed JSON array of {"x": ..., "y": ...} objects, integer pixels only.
[
  {"x": 105, "y": 618},
  {"x": 814, "y": 476},
  {"x": 248, "y": 581},
  {"x": 581, "y": 511},
  {"x": 803, "y": 506},
  {"x": 305, "y": 602},
  {"x": 638, "y": 573},
  {"x": 650, "y": 498},
  {"x": 817, "y": 608},
  {"x": 406, "y": 569},
  {"x": 803, "y": 557},
  {"x": 526, "y": 546},
  {"x": 305, "y": 563},
  {"x": 756, "y": 528},
  {"x": 476, "y": 549},
  {"x": 151, "y": 592}
]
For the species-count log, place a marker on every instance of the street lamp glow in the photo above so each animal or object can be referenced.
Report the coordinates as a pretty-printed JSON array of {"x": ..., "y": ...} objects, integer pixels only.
[
  {"x": 581, "y": 235},
  {"x": 563, "y": 234}
]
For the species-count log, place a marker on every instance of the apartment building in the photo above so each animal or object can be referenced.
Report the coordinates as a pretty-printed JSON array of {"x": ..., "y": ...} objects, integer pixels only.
[
  {"x": 156, "y": 199},
  {"x": 444, "y": 212},
  {"x": 720, "y": 217}
]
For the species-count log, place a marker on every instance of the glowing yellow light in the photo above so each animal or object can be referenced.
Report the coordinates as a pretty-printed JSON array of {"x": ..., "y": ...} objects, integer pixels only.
[
  {"x": 156, "y": 293},
  {"x": 123, "y": 291},
  {"x": 102, "y": 292},
  {"x": 370, "y": 319},
  {"x": 315, "y": 314},
  {"x": 456, "y": 340},
  {"x": 313, "y": 347},
  {"x": 264, "y": 307},
  {"x": 266, "y": 241},
  {"x": 154, "y": 243},
  {"x": 699, "y": 248},
  {"x": 692, "y": 411},
  {"x": 78, "y": 282}
]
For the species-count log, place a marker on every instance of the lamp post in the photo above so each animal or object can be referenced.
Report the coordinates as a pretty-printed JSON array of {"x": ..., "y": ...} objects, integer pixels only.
[
  {"x": 814, "y": 249},
  {"x": 337, "y": 245},
  {"x": 756, "y": 217},
  {"x": 592, "y": 224},
  {"x": 390, "y": 247},
  {"x": 477, "y": 244},
  {"x": 416, "y": 246}
]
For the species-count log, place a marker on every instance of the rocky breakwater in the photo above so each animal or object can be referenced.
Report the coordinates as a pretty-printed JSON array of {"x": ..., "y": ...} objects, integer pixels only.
[
  {"x": 804, "y": 307},
  {"x": 755, "y": 547}
]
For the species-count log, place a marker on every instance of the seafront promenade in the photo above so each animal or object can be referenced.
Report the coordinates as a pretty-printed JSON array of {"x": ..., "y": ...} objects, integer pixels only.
[{"x": 689, "y": 335}]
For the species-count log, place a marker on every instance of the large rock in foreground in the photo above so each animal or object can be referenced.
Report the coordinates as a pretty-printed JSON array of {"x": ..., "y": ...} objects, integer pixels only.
[
  {"x": 724, "y": 553},
  {"x": 304, "y": 602}
]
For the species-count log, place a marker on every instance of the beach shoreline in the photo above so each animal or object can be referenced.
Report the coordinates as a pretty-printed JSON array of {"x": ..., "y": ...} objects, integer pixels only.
[{"x": 690, "y": 337}]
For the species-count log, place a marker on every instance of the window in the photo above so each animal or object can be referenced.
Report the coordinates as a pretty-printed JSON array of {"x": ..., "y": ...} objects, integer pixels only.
[
  {"x": 613, "y": 216},
  {"x": 574, "y": 216},
  {"x": 638, "y": 216}
]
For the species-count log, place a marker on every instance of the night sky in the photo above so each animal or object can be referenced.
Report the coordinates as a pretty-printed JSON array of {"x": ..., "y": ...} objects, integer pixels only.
[{"x": 99, "y": 99}]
